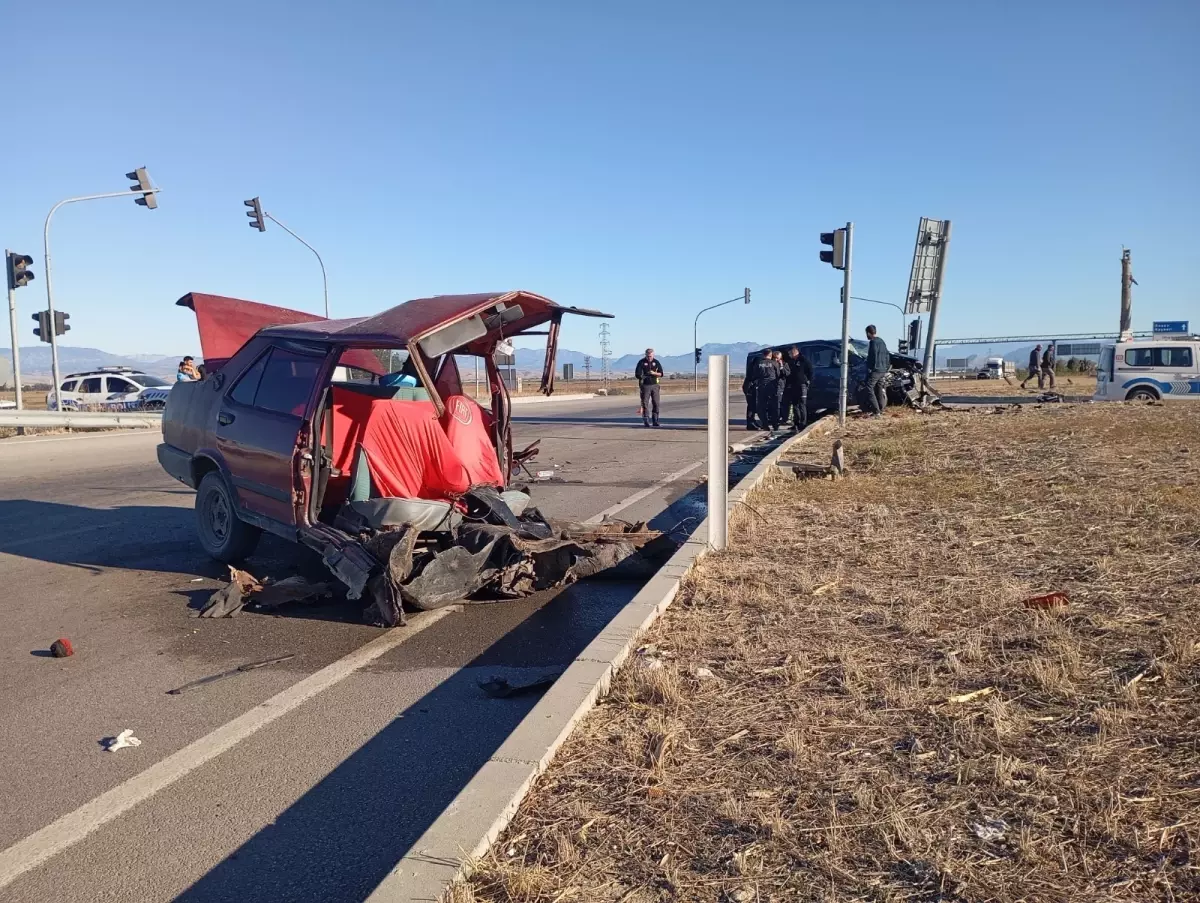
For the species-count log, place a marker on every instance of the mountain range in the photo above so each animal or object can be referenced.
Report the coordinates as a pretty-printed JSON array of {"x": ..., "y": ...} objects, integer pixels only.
[{"x": 36, "y": 367}]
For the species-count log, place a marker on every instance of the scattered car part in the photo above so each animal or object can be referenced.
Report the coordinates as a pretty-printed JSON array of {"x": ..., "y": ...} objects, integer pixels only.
[
  {"x": 240, "y": 669},
  {"x": 120, "y": 741}
]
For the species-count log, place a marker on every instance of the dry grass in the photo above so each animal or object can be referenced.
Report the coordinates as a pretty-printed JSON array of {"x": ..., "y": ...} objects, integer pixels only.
[
  {"x": 823, "y": 760},
  {"x": 1065, "y": 383}
]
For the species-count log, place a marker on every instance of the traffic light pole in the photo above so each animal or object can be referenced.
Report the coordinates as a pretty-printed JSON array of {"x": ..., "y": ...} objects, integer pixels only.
[
  {"x": 843, "y": 384},
  {"x": 16, "y": 345},
  {"x": 696, "y": 338},
  {"x": 324, "y": 280},
  {"x": 49, "y": 288}
]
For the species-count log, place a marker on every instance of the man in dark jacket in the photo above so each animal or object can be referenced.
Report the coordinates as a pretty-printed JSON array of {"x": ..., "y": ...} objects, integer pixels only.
[
  {"x": 766, "y": 385},
  {"x": 781, "y": 386},
  {"x": 649, "y": 374},
  {"x": 750, "y": 390},
  {"x": 800, "y": 373},
  {"x": 879, "y": 364},
  {"x": 1035, "y": 366}
]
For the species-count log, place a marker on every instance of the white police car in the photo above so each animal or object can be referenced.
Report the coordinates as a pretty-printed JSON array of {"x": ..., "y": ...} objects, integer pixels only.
[
  {"x": 1155, "y": 369},
  {"x": 111, "y": 388}
]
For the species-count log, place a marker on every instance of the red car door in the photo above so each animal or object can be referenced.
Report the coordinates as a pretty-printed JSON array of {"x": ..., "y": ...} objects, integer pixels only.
[{"x": 259, "y": 423}]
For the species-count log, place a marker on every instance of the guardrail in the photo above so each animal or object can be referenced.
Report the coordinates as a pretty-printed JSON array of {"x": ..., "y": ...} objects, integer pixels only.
[{"x": 81, "y": 420}]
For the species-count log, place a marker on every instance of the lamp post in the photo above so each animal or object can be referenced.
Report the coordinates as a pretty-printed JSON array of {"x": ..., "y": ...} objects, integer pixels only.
[
  {"x": 257, "y": 215},
  {"x": 745, "y": 298},
  {"x": 889, "y": 304},
  {"x": 148, "y": 199}
]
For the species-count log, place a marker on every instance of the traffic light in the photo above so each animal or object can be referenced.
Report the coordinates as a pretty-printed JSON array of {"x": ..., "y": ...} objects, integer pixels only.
[
  {"x": 746, "y": 296},
  {"x": 256, "y": 215},
  {"x": 60, "y": 322},
  {"x": 42, "y": 330},
  {"x": 902, "y": 347},
  {"x": 148, "y": 199},
  {"x": 837, "y": 241},
  {"x": 914, "y": 334},
  {"x": 697, "y": 355},
  {"x": 18, "y": 273}
]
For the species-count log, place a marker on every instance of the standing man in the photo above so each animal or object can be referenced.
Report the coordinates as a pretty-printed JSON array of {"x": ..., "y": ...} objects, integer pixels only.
[
  {"x": 796, "y": 395},
  {"x": 749, "y": 389},
  {"x": 187, "y": 371},
  {"x": 879, "y": 364},
  {"x": 766, "y": 390},
  {"x": 1047, "y": 375},
  {"x": 1035, "y": 366},
  {"x": 785, "y": 373},
  {"x": 649, "y": 374}
]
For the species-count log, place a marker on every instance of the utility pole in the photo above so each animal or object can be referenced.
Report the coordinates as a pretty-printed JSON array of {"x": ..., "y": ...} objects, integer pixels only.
[
  {"x": 605, "y": 355},
  {"x": 148, "y": 199},
  {"x": 587, "y": 371},
  {"x": 1127, "y": 283},
  {"x": 939, "y": 279},
  {"x": 843, "y": 386}
]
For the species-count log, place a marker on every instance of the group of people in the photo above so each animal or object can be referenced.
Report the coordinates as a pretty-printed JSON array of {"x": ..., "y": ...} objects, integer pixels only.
[
  {"x": 776, "y": 390},
  {"x": 1041, "y": 365},
  {"x": 188, "y": 371}
]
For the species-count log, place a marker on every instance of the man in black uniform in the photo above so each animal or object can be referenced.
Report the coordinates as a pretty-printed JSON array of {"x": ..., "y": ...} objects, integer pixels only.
[
  {"x": 796, "y": 395},
  {"x": 766, "y": 379},
  {"x": 785, "y": 373},
  {"x": 879, "y": 364},
  {"x": 649, "y": 373},
  {"x": 750, "y": 390}
]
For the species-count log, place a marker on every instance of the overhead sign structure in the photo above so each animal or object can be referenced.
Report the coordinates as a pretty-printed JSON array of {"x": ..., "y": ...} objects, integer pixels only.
[
  {"x": 927, "y": 276},
  {"x": 1170, "y": 327},
  {"x": 1078, "y": 349}
]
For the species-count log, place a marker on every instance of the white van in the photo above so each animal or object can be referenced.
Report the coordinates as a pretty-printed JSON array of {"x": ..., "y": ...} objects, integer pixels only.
[{"x": 1149, "y": 369}]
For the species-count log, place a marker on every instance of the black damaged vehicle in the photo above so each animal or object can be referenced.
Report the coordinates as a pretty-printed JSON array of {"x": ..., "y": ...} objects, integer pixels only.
[{"x": 825, "y": 355}]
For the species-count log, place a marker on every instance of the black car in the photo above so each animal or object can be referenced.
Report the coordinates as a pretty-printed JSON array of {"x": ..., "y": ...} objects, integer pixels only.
[{"x": 825, "y": 355}]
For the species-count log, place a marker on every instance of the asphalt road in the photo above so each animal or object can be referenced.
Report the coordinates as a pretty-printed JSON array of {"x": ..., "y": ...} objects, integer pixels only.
[{"x": 305, "y": 780}]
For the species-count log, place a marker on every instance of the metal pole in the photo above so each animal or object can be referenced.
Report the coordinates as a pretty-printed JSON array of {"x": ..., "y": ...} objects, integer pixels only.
[
  {"x": 1126, "y": 292},
  {"x": 843, "y": 386},
  {"x": 718, "y": 451},
  {"x": 937, "y": 299},
  {"x": 696, "y": 340},
  {"x": 16, "y": 346},
  {"x": 324, "y": 280},
  {"x": 49, "y": 289}
]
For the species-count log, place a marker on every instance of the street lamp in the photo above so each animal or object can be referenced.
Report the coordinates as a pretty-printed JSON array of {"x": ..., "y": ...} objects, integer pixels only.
[
  {"x": 889, "y": 304},
  {"x": 258, "y": 215},
  {"x": 743, "y": 297},
  {"x": 147, "y": 197}
]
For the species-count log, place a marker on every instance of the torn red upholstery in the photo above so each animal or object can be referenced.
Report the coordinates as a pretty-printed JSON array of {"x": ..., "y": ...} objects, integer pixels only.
[
  {"x": 407, "y": 449},
  {"x": 469, "y": 429}
]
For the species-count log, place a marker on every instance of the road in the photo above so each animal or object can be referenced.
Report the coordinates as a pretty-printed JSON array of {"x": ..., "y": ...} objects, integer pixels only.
[{"x": 306, "y": 780}]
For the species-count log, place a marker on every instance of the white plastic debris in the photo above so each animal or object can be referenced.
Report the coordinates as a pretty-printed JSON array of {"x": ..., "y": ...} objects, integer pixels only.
[
  {"x": 704, "y": 674},
  {"x": 121, "y": 740},
  {"x": 991, "y": 830}
]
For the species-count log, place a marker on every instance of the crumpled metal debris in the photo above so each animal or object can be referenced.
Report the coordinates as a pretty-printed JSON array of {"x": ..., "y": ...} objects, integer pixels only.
[
  {"x": 487, "y": 561},
  {"x": 246, "y": 589}
]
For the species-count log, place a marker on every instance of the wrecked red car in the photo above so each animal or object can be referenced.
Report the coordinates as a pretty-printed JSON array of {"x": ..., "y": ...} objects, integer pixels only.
[{"x": 324, "y": 432}]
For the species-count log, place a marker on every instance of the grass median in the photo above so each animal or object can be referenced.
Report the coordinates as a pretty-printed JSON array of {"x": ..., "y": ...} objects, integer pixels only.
[{"x": 860, "y": 700}]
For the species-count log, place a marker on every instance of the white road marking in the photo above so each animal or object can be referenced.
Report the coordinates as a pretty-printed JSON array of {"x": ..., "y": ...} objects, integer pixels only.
[
  {"x": 641, "y": 494},
  {"x": 73, "y": 827}
]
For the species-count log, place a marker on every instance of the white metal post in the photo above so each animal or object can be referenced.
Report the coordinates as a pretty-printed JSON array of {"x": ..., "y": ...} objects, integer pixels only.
[
  {"x": 718, "y": 451},
  {"x": 843, "y": 386},
  {"x": 16, "y": 346}
]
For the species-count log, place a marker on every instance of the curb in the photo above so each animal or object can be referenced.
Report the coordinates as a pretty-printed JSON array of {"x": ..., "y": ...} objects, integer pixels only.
[{"x": 473, "y": 821}]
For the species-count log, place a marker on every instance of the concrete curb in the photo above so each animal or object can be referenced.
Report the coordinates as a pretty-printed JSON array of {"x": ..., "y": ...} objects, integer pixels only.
[{"x": 473, "y": 821}]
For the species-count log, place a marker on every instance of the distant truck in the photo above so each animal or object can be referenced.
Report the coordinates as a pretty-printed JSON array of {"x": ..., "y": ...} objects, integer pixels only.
[{"x": 997, "y": 368}]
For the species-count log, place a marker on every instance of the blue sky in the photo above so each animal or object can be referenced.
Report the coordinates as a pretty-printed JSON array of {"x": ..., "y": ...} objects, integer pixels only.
[{"x": 648, "y": 159}]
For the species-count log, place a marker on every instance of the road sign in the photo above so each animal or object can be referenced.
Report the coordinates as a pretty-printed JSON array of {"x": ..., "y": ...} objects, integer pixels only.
[
  {"x": 1078, "y": 349},
  {"x": 1170, "y": 327},
  {"x": 924, "y": 281}
]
